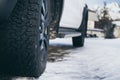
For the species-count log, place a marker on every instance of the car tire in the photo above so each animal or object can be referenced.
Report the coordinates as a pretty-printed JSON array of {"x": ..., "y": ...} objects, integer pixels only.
[
  {"x": 78, "y": 41},
  {"x": 24, "y": 39}
]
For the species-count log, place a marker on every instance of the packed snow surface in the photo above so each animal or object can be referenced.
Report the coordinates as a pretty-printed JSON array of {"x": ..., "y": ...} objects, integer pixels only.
[{"x": 99, "y": 59}]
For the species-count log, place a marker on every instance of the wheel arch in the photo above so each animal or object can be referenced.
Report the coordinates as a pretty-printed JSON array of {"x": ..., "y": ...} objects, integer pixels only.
[
  {"x": 56, "y": 8},
  {"x": 56, "y": 12}
]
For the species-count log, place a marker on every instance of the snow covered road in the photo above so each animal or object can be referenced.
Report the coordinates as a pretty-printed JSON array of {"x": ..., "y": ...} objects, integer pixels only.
[{"x": 98, "y": 60}]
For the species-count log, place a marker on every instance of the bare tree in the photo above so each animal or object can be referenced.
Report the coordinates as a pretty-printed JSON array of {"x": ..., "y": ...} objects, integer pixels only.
[{"x": 105, "y": 22}]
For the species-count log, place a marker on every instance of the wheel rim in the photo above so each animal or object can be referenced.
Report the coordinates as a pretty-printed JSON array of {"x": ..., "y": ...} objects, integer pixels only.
[{"x": 43, "y": 32}]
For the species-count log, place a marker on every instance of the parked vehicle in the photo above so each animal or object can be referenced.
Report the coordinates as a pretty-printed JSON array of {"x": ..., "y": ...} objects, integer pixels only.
[{"x": 25, "y": 28}]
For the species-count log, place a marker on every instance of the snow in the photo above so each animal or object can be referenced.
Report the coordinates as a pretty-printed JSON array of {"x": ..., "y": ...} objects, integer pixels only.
[
  {"x": 94, "y": 4},
  {"x": 116, "y": 22},
  {"x": 113, "y": 9},
  {"x": 98, "y": 60}
]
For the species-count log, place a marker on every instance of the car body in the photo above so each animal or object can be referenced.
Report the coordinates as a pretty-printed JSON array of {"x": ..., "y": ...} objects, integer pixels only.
[
  {"x": 24, "y": 27},
  {"x": 72, "y": 14}
]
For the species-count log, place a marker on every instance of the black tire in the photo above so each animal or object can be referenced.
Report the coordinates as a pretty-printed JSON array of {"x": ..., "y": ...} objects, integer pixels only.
[
  {"x": 24, "y": 40},
  {"x": 79, "y": 40}
]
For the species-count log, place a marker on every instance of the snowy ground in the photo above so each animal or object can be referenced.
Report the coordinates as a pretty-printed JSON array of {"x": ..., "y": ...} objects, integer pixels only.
[{"x": 98, "y": 60}]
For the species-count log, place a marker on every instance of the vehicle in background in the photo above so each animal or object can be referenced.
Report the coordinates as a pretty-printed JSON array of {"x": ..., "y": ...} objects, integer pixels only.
[{"x": 25, "y": 29}]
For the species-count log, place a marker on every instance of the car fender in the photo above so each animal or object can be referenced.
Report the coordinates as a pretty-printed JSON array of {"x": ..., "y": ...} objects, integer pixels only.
[{"x": 72, "y": 14}]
